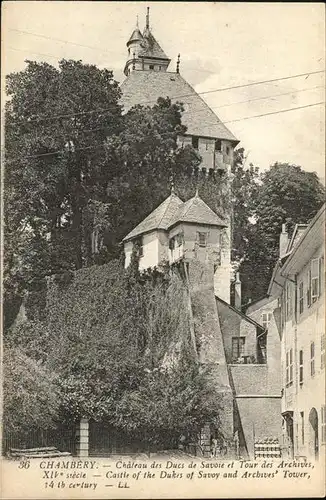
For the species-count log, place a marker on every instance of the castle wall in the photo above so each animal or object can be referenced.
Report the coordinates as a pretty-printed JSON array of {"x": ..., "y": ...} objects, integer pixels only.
[
  {"x": 209, "y": 337},
  {"x": 222, "y": 276},
  {"x": 260, "y": 418}
]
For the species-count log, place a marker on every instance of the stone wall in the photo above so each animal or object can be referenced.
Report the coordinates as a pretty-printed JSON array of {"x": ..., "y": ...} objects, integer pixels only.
[{"x": 209, "y": 337}]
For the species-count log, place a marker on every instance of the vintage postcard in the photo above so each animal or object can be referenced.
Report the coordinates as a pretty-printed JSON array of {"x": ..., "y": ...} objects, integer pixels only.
[{"x": 163, "y": 215}]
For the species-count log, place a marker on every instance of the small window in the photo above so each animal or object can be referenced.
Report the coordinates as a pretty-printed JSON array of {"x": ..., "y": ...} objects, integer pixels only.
[
  {"x": 302, "y": 426},
  {"x": 266, "y": 319},
  {"x": 288, "y": 301},
  {"x": 218, "y": 145},
  {"x": 314, "y": 279},
  {"x": 195, "y": 141},
  {"x": 172, "y": 244},
  {"x": 151, "y": 66},
  {"x": 322, "y": 351},
  {"x": 227, "y": 150},
  {"x": 301, "y": 367},
  {"x": 202, "y": 239},
  {"x": 238, "y": 346},
  {"x": 159, "y": 68},
  {"x": 301, "y": 301},
  {"x": 309, "y": 289},
  {"x": 312, "y": 359},
  {"x": 289, "y": 367}
]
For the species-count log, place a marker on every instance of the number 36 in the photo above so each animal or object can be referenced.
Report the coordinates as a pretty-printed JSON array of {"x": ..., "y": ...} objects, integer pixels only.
[{"x": 24, "y": 464}]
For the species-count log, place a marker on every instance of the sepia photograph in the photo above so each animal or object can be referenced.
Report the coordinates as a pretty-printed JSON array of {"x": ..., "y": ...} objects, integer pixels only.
[{"x": 162, "y": 249}]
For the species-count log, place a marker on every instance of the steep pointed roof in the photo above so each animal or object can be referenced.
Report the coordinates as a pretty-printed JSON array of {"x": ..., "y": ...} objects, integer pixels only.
[
  {"x": 196, "y": 211},
  {"x": 135, "y": 36},
  {"x": 151, "y": 47},
  {"x": 145, "y": 87},
  {"x": 160, "y": 218}
]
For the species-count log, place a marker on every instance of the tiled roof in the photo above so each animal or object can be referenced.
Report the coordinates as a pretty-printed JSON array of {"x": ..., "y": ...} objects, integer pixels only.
[
  {"x": 160, "y": 218},
  {"x": 196, "y": 211},
  {"x": 152, "y": 47},
  {"x": 136, "y": 35},
  {"x": 145, "y": 87},
  {"x": 172, "y": 211}
]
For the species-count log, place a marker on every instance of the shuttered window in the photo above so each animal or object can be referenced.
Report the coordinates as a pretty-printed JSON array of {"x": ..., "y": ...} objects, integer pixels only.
[
  {"x": 289, "y": 367},
  {"x": 323, "y": 424},
  {"x": 314, "y": 279},
  {"x": 312, "y": 359},
  {"x": 301, "y": 301},
  {"x": 322, "y": 351},
  {"x": 301, "y": 367}
]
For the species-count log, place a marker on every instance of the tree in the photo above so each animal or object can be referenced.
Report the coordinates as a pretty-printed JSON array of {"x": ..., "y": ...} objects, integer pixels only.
[
  {"x": 56, "y": 123},
  {"x": 146, "y": 158},
  {"x": 245, "y": 184},
  {"x": 31, "y": 395},
  {"x": 285, "y": 194}
]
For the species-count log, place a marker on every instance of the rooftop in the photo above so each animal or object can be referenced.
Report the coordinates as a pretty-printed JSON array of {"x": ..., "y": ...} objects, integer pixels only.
[
  {"x": 173, "y": 211},
  {"x": 145, "y": 87},
  {"x": 160, "y": 218},
  {"x": 196, "y": 211},
  {"x": 152, "y": 47}
]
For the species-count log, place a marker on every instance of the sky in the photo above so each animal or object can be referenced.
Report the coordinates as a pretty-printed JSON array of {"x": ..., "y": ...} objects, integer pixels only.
[{"x": 222, "y": 44}]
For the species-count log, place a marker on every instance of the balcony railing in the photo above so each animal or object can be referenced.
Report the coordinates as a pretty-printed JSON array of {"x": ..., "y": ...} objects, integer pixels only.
[{"x": 248, "y": 360}]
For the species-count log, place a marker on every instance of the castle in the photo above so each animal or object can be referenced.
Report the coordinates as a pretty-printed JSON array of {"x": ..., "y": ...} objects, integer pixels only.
[
  {"x": 147, "y": 79},
  {"x": 244, "y": 354}
]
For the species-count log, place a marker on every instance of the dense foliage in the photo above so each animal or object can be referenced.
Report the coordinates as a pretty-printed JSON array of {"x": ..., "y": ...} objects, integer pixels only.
[
  {"x": 119, "y": 346},
  {"x": 284, "y": 194}
]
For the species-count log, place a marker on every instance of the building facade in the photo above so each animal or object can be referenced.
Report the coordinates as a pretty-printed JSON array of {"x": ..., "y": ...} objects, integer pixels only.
[{"x": 298, "y": 285}]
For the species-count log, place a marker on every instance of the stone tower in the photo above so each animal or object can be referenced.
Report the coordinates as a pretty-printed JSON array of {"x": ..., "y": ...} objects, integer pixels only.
[
  {"x": 144, "y": 52},
  {"x": 148, "y": 78}
]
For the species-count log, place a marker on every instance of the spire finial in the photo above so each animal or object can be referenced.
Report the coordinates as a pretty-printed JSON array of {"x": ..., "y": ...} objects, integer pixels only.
[
  {"x": 147, "y": 18},
  {"x": 196, "y": 195},
  {"x": 178, "y": 63},
  {"x": 137, "y": 23}
]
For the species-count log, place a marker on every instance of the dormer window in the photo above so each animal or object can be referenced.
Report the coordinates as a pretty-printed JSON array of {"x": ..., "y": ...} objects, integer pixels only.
[{"x": 202, "y": 239}]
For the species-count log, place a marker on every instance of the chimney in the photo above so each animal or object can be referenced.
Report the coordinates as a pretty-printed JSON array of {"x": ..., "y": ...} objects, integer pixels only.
[
  {"x": 237, "y": 292},
  {"x": 284, "y": 240}
]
